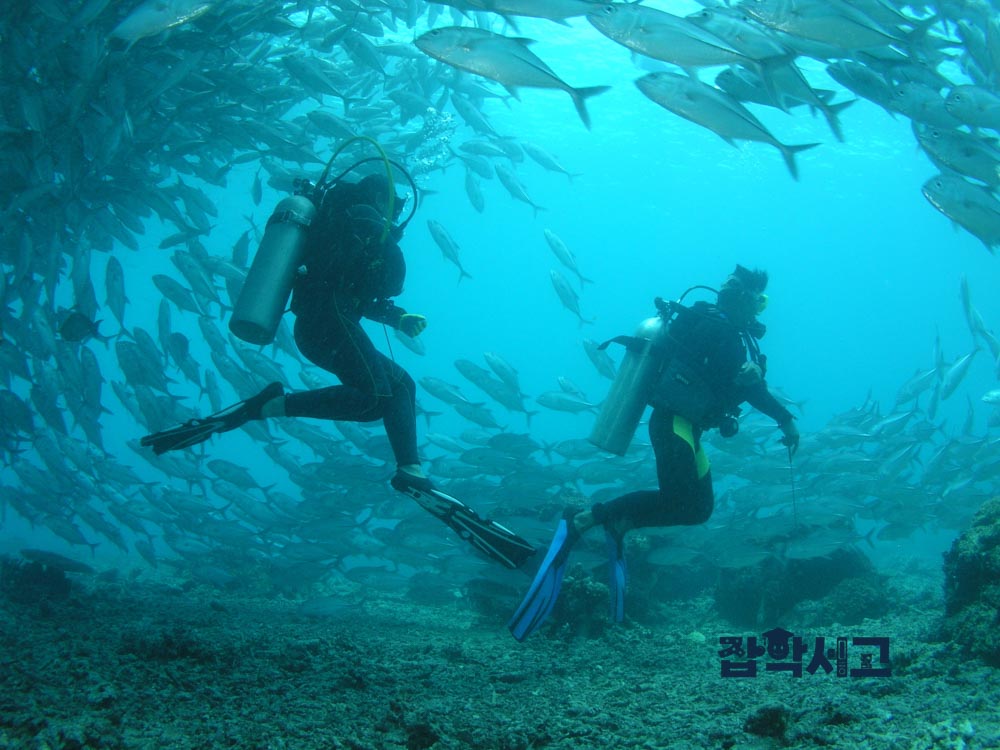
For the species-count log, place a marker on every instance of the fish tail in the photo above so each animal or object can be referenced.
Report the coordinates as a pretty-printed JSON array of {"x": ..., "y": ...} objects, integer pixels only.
[
  {"x": 766, "y": 68},
  {"x": 580, "y": 97},
  {"x": 830, "y": 112},
  {"x": 789, "y": 153}
]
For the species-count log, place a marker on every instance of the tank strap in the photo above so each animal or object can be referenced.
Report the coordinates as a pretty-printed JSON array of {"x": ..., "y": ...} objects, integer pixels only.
[
  {"x": 289, "y": 217},
  {"x": 685, "y": 431}
]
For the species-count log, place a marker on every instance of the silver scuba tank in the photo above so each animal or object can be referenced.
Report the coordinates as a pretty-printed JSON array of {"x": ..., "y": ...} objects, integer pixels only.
[
  {"x": 626, "y": 400},
  {"x": 265, "y": 292}
]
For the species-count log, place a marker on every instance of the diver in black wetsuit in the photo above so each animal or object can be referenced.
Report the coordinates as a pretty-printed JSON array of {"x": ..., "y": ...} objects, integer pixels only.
[
  {"x": 712, "y": 364},
  {"x": 352, "y": 267},
  {"x": 715, "y": 365},
  {"x": 351, "y": 271}
]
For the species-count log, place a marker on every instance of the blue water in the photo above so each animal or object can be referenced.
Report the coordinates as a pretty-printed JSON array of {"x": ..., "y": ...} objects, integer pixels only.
[{"x": 864, "y": 272}]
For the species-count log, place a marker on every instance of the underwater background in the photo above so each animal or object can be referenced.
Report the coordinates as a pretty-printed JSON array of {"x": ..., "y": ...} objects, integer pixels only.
[{"x": 319, "y": 609}]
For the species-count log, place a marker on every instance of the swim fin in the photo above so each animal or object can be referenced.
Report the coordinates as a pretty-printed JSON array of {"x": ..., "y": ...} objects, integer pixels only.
[
  {"x": 619, "y": 574},
  {"x": 541, "y": 597},
  {"x": 493, "y": 540},
  {"x": 199, "y": 430}
]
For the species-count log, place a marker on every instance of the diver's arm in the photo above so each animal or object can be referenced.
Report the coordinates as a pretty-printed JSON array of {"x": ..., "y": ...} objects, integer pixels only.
[
  {"x": 761, "y": 399},
  {"x": 384, "y": 311}
]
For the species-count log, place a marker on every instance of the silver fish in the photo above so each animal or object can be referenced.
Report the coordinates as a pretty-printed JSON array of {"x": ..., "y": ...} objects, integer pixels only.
[
  {"x": 564, "y": 254},
  {"x": 562, "y": 401},
  {"x": 504, "y": 369},
  {"x": 546, "y": 160},
  {"x": 417, "y": 346},
  {"x": 974, "y": 106},
  {"x": 503, "y": 59},
  {"x": 827, "y": 21},
  {"x": 154, "y": 16},
  {"x": 973, "y": 207},
  {"x": 955, "y": 374},
  {"x": 663, "y": 36},
  {"x": 513, "y": 185},
  {"x": 567, "y": 295},
  {"x": 715, "y": 110},
  {"x": 449, "y": 248},
  {"x": 474, "y": 191},
  {"x": 966, "y": 153},
  {"x": 600, "y": 359}
]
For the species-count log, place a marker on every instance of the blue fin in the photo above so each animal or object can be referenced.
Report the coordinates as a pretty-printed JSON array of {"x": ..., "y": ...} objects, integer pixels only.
[{"x": 541, "y": 597}]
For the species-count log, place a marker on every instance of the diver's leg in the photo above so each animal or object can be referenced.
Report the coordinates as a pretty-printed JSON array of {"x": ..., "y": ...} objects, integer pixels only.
[
  {"x": 399, "y": 414},
  {"x": 683, "y": 471},
  {"x": 343, "y": 349},
  {"x": 376, "y": 388},
  {"x": 685, "y": 496}
]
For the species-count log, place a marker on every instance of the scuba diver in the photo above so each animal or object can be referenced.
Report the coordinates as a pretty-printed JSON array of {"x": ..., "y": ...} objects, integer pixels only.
[
  {"x": 335, "y": 248},
  {"x": 695, "y": 366}
]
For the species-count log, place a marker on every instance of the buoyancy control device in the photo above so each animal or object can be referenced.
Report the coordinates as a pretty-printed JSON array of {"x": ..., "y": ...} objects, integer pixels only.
[{"x": 264, "y": 296}]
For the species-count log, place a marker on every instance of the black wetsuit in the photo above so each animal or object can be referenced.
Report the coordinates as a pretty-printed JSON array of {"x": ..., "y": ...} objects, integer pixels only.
[
  {"x": 350, "y": 273},
  {"x": 710, "y": 351}
]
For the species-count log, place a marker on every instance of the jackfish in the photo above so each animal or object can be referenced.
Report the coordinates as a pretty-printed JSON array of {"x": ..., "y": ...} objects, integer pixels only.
[
  {"x": 505, "y": 60},
  {"x": 716, "y": 110}
]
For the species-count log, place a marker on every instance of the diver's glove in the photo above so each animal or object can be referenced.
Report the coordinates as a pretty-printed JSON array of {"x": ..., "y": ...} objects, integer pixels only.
[
  {"x": 412, "y": 325},
  {"x": 791, "y": 436}
]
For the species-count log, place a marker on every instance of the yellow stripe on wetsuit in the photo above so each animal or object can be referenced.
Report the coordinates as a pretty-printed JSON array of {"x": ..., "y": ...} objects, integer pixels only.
[{"x": 684, "y": 430}]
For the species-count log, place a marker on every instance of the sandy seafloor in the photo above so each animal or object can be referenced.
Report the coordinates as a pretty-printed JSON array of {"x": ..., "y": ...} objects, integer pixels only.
[{"x": 143, "y": 664}]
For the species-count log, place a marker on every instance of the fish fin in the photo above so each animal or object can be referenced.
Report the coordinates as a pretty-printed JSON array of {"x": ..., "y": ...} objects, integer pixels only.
[
  {"x": 513, "y": 92},
  {"x": 580, "y": 97},
  {"x": 789, "y": 153},
  {"x": 768, "y": 67},
  {"x": 830, "y": 112}
]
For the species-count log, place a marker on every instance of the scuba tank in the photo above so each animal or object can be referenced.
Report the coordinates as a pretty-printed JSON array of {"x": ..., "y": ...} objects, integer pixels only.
[
  {"x": 268, "y": 285},
  {"x": 626, "y": 401}
]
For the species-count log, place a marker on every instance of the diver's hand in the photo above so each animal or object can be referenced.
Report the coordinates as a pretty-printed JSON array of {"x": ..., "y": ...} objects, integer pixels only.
[
  {"x": 790, "y": 437},
  {"x": 412, "y": 325},
  {"x": 749, "y": 375}
]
